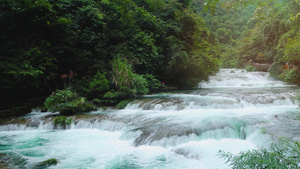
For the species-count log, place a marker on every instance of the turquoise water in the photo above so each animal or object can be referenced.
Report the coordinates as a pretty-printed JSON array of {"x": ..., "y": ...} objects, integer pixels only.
[{"x": 232, "y": 112}]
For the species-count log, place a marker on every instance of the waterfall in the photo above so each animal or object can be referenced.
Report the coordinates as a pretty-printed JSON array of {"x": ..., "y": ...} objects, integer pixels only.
[{"x": 234, "y": 111}]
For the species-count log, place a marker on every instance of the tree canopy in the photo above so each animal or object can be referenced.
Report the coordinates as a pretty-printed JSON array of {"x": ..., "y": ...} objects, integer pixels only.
[{"x": 46, "y": 44}]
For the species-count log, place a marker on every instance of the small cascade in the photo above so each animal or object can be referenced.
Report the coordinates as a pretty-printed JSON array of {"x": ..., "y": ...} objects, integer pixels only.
[
  {"x": 233, "y": 99},
  {"x": 240, "y": 78},
  {"x": 27, "y": 124}
]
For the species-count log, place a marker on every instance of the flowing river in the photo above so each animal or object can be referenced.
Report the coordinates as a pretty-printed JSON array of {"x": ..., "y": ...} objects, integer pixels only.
[{"x": 234, "y": 111}]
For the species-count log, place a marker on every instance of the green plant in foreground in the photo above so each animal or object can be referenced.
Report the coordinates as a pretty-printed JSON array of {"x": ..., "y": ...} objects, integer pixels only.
[{"x": 282, "y": 155}]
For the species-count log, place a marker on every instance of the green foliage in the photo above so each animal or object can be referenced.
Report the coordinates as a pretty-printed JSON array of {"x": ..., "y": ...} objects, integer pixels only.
[
  {"x": 51, "y": 161},
  {"x": 274, "y": 39},
  {"x": 250, "y": 68},
  {"x": 275, "y": 69},
  {"x": 123, "y": 103},
  {"x": 67, "y": 102},
  {"x": 99, "y": 83},
  {"x": 229, "y": 57},
  {"x": 298, "y": 98},
  {"x": 290, "y": 76},
  {"x": 227, "y": 27},
  {"x": 122, "y": 74},
  {"x": 53, "y": 102},
  {"x": 140, "y": 84},
  {"x": 62, "y": 120},
  {"x": 126, "y": 81},
  {"x": 94, "y": 87},
  {"x": 284, "y": 154},
  {"x": 111, "y": 94},
  {"x": 292, "y": 50},
  {"x": 47, "y": 163},
  {"x": 43, "y": 41},
  {"x": 24, "y": 55},
  {"x": 185, "y": 3},
  {"x": 153, "y": 84}
]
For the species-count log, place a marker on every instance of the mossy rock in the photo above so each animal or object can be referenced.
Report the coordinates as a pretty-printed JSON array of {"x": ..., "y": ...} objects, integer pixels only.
[
  {"x": 47, "y": 163},
  {"x": 62, "y": 121},
  {"x": 67, "y": 102},
  {"x": 72, "y": 108},
  {"x": 298, "y": 118},
  {"x": 124, "y": 103},
  {"x": 3, "y": 161}
]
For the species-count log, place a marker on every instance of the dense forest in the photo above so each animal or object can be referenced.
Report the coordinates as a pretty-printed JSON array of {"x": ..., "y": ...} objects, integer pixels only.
[
  {"x": 259, "y": 32},
  {"x": 108, "y": 51},
  {"x": 103, "y": 50}
]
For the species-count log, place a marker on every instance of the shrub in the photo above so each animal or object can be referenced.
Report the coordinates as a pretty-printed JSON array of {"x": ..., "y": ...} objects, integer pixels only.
[
  {"x": 275, "y": 69},
  {"x": 126, "y": 81},
  {"x": 290, "y": 76},
  {"x": 139, "y": 84},
  {"x": 122, "y": 74},
  {"x": 250, "y": 68},
  {"x": 99, "y": 83},
  {"x": 191, "y": 83},
  {"x": 152, "y": 83},
  {"x": 92, "y": 87},
  {"x": 284, "y": 154},
  {"x": 67, "y": 102}
]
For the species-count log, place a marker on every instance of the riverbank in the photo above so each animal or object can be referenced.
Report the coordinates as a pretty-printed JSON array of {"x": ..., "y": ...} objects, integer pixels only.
[{"x": 21, "y": 108}]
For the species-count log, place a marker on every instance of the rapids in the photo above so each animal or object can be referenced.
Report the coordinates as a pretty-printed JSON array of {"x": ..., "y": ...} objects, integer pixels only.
[{"x": 234, "y": 111}]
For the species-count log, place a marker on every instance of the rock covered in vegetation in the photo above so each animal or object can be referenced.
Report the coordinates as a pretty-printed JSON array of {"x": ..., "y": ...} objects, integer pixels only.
[
  {"x": 67, "y": 102},
  {"x": 124, "y": 103},
  {"x": 62, "y": 121},
  {"x": 46, "y": 163}
]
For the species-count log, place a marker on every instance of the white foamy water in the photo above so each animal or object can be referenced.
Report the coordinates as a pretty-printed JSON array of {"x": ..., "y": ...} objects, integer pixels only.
[
  {"x": 241, "y": 78},
  {"x": 233, "y": 112}
]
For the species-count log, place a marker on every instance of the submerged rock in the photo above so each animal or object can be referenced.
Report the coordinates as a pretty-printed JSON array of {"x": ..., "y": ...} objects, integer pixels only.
[
  {"x": 46, "y": 163},
  {"x": 3, "y": 161}
]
